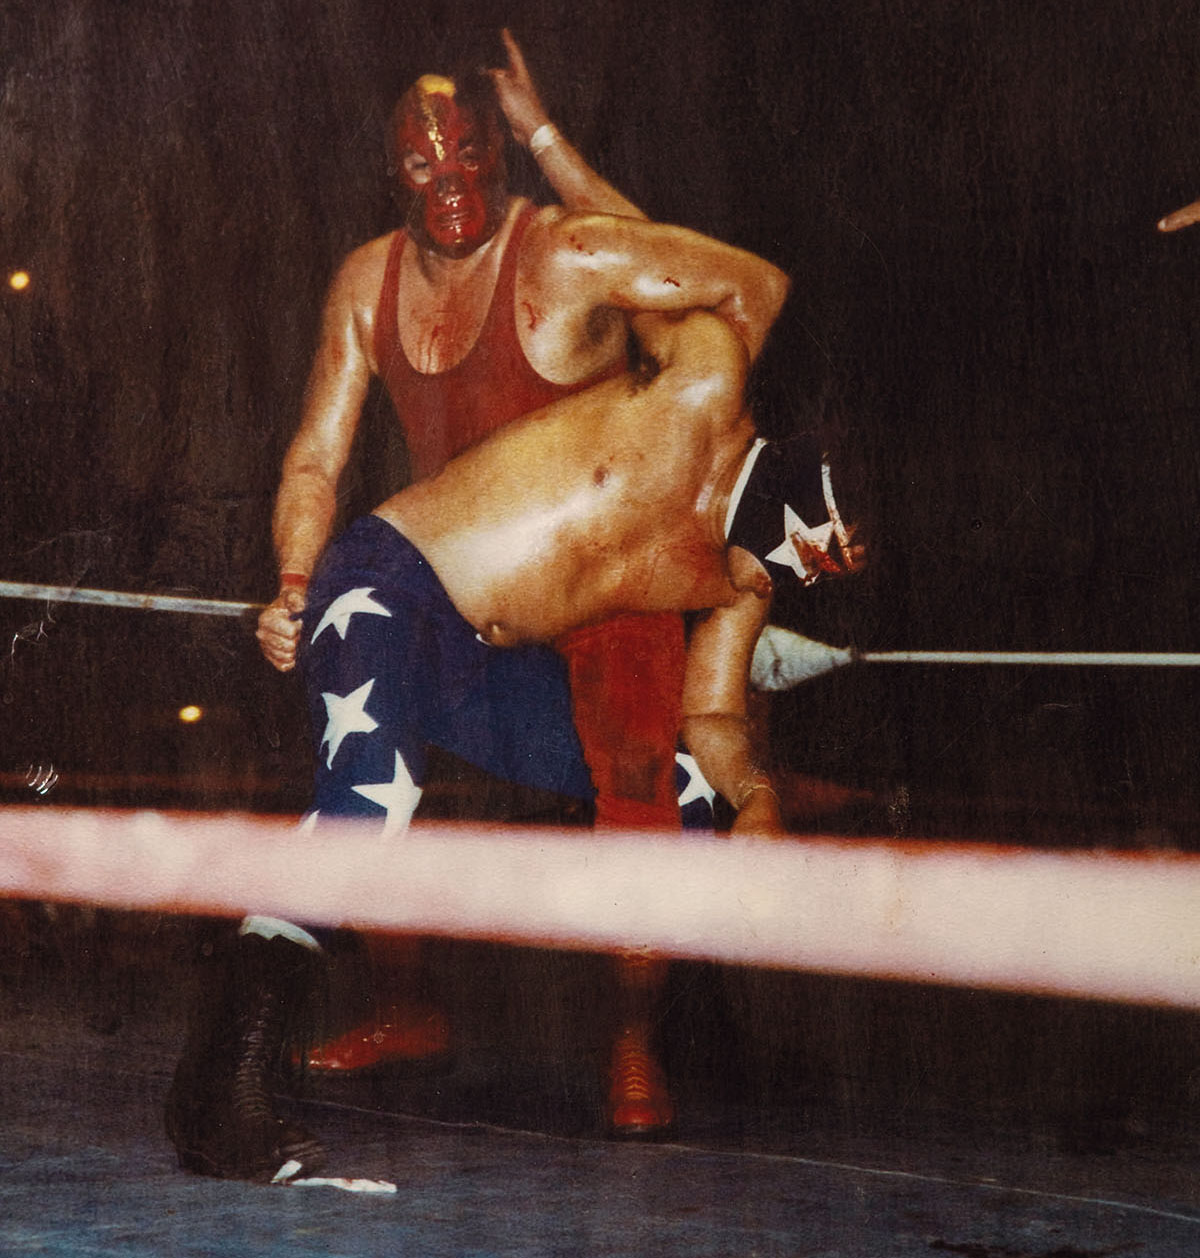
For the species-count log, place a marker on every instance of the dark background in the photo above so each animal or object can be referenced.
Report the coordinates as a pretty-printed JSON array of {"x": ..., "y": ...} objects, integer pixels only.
[{"x": 964, "y": 193}]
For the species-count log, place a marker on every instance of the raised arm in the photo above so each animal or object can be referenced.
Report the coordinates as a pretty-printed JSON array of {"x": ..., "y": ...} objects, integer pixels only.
[
  {"x": 307, "y": 497},
  {"x": 578, "y": 186},
  {"x": 602, "y": 254},
  {"x": 589, "y": 263},
  {"x": 715, "y": 723}
]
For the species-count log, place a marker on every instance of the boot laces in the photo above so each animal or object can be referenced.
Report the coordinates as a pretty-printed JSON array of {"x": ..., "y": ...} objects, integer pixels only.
[
  {"x": 249, "y": 1092},
  {"x": 635, "y": 1074}
]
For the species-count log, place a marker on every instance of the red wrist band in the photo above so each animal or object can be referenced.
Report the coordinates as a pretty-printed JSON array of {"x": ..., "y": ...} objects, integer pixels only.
[{"x": 298, "y": 579}]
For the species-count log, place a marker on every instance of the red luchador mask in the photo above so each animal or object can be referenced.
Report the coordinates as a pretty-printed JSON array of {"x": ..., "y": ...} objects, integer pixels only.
[{"x": 450, "y": 158}]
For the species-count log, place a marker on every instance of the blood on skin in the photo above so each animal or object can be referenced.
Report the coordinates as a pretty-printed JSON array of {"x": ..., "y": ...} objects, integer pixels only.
[
  {"x": 429, "y": 348},
  {"x": 534, "y": 317}
]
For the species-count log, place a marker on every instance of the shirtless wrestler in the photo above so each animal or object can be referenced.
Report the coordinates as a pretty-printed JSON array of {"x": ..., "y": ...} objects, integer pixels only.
[
  {"x": 482, "y": 309},
  {"x": 646, "y": 493}
]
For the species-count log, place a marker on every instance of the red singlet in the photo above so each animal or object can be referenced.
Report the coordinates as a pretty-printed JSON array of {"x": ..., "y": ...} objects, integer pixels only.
[
  {"x": 627, "y": 674},
  {"x": 442, "y": 413}
]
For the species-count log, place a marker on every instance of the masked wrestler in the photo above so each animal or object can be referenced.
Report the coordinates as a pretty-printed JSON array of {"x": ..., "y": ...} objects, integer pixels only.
[
  {"x": 428, "y": 622},
  {"x": 481, "y": 309}
]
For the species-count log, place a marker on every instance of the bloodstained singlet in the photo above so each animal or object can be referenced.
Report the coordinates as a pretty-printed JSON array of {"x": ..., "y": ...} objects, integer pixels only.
[
  {"x": 443, "y": 413},
  {"x": 627, "y": 674}
]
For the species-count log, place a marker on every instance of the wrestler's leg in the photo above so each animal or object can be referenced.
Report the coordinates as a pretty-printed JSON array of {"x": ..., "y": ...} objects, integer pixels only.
[
  {"x": 367, "y": 733},
  {"x": 626, "y": 687},
  {"x": 219, "y": 1112},
  {"x": 370, "y": 763}
]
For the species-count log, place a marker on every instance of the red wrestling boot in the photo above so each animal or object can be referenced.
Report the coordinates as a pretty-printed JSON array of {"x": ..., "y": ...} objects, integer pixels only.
[
  {"x": 405, "y": 1029},
  {"x": 639, "y": 1103},
  {"x": 626, "y": 690}
]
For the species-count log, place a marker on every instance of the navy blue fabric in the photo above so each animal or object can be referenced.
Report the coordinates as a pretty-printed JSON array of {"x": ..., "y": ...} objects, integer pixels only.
[
  {"x": 786, "y": 473},
  {"x": 696, "y": 815},
  {"x": 433, "y": 681}
]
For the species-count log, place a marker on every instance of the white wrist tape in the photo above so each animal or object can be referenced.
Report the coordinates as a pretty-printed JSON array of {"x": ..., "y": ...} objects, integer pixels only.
[{"x": 546, "y": 135}]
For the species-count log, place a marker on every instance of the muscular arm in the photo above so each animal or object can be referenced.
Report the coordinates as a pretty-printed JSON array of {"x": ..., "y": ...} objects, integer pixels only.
[
  {"x": 586, "y": 264},
  {"x": 307, "y": 498},
  {"x": 578, "y": 186},
  {"x": 715, "y": 723},
  {"x": 589, "y": 265}
]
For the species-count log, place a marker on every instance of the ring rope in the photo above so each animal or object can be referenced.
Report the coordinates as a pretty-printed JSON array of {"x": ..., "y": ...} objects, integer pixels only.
[{"x": 1104, "y": 925}]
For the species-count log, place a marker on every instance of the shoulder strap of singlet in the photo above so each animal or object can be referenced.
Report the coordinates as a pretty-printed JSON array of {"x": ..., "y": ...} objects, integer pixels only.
[
  {"x": 502, "y": 313},
  {"x": 387, "y": 332},
  {"x": 500, "y": 323}
]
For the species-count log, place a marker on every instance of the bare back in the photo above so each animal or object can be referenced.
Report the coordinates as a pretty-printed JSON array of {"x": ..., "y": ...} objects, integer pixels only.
[{"x": 608, "y": 501}]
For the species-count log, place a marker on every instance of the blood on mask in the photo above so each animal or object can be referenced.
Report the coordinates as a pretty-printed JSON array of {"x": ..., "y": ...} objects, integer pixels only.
[{"x": 451, "y": 162}]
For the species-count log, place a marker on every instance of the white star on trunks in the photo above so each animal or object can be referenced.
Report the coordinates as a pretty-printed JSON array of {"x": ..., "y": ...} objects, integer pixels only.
[
  {"x": 347, "y": 715},
  {"x": 338, "y": 612},
  {"x": 697, "y": 787},
  {"x": 788, "y": 554},
  {"x": 399, "y": 796}
]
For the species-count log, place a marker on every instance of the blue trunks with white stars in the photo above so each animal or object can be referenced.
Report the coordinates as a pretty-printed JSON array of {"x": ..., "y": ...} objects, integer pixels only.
[{"x": 391, "y": 668}]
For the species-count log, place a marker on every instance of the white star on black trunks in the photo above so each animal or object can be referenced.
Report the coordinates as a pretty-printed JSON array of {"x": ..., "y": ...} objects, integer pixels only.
[
  {"x": 697, "y": 786},
  {"x": 787, "y": 553},
  {"x": 338, "y": 612},
  {"x": 400, "y": 796},
  {"x": 347, "y": 715}
]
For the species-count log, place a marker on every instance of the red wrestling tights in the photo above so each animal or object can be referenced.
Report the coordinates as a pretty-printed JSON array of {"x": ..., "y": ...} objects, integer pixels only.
[{"x": 626, "y": 688}]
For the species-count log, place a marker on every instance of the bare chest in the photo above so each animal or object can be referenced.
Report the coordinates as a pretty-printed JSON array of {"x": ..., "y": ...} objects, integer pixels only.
[
  {"x": 677, "y": 570},
  {"x": 646, "y": 548}
]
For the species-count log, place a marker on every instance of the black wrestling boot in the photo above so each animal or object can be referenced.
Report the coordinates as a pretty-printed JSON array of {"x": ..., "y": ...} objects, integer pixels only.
[{"x": 219, "y": 1112}]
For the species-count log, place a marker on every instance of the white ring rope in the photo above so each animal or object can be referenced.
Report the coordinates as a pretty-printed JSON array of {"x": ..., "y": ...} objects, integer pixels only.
[
  {"x": 783, "y": 659},
  {"x": 116, "y": 598},
  {"x": 1109, "y": 659},
  {"x": 1117, "y": 926},
  {"x": 788, "y": 653}
]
